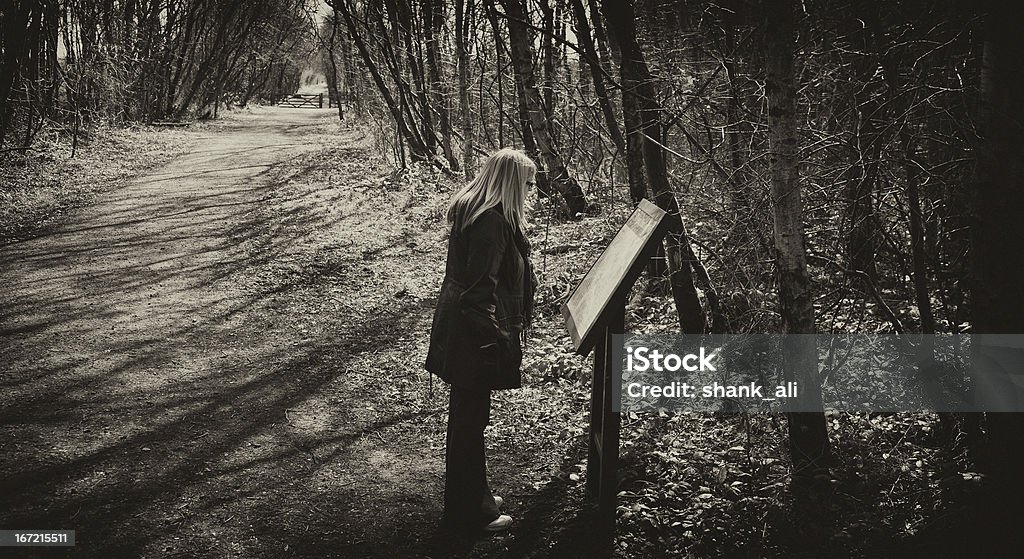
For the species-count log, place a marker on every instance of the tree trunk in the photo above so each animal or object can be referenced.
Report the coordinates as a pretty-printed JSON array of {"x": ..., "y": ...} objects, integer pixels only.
[
  {"x": 808, "y": 437},
  {"x": 525, "y": 131},
  {"x": 401, "y": 16},
  {"x": 433, "y": 14},
  {"x": 862, "y": 241},
  {"x": 997, "y": 257},
  {"x": 597, "y": 74},
  {"x": 547, "y": 53},
  {"x": 408, "y": 102},
  {"x": 332, "y": 59},
  {"x": 419, "y": 150},
  {"x": 636, "y": 83},
  {"x": 748, "y": 232},
  {"x": 15, "y": 23},
  {"x": 349, "y": 73},
  {"x": 461, "y": 34},
  {"x": 206, "y": 66},
  {"x": 522, "y": 57},
  {"x": 633, "y": 154}
]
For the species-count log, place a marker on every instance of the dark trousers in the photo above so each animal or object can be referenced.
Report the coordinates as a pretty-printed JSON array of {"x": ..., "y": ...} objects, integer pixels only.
[{"x": 468, "y": 502}]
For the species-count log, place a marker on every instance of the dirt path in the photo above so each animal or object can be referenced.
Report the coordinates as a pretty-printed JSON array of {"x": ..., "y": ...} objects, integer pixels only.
[{"x": 218, "y": 361}]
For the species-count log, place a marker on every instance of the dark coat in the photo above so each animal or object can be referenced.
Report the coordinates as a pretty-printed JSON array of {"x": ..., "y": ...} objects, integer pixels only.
[{"x": 484, "y": 303}]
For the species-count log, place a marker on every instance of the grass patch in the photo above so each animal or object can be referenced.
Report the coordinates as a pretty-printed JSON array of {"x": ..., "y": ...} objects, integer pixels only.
[{"x": 40, "y": 186}]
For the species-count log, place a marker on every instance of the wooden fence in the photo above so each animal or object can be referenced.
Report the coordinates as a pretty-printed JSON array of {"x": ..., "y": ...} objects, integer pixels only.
[
  {"x": 299, "y": 100},
  {"x": 312, "y": 100}
]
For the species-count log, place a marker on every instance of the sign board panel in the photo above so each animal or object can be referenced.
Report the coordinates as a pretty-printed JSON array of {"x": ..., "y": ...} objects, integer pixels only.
[{"x": 625, "y": 255}]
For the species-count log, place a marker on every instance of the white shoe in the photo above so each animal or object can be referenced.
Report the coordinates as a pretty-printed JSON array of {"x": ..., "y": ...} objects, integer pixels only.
[
  {"x": 498, "y": 501},
  {"x": 498, "y": 524}
]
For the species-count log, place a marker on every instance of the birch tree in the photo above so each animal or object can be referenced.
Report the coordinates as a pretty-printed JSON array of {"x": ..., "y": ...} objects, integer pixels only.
[{"x": 808, "y": 437}]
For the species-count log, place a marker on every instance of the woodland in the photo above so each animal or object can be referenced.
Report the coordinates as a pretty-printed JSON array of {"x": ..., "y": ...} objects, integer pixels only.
[{"x": 827, "y": 166}]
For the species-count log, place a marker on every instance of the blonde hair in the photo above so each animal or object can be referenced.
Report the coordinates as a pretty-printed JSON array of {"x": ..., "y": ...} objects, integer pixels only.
[{"x": 502, "y": 180}]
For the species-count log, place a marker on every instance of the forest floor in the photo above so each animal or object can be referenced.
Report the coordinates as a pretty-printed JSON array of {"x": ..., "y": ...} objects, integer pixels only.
[{"x": 222, "y": 357}]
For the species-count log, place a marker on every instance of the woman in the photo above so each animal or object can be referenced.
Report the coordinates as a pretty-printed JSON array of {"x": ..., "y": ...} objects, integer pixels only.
[{"x": 484, "y": 307}]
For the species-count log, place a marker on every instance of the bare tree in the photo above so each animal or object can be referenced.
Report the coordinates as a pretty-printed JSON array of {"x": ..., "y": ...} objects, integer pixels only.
[
  {"x": 808, "y": 436},
  {"x": 463, "y": 20},
  {"x": 997, "y": 253},
  {"x": 522, "y": 57},
  {"x": 636, "y": 84}
]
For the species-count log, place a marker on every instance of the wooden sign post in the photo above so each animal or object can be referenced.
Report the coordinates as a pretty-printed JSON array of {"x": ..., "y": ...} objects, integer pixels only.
[{"x": 596, "y": 311}]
